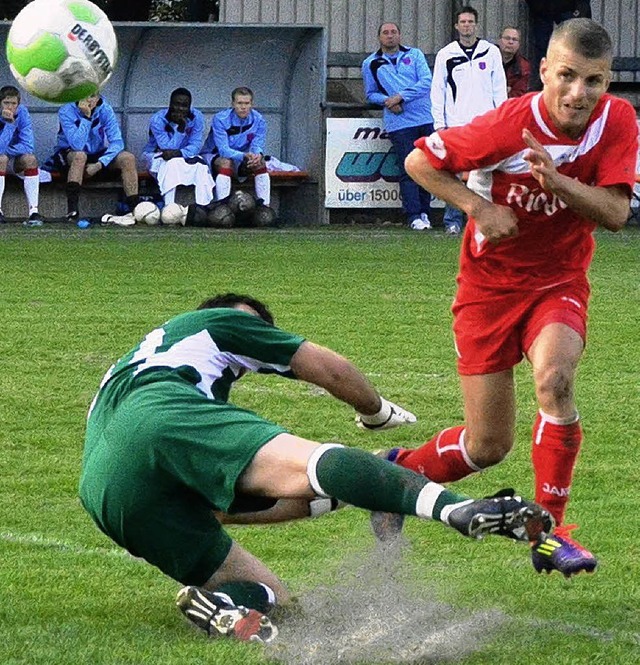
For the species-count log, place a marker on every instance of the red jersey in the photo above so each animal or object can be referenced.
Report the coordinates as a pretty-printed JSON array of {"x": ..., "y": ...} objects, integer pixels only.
[{"x": 554, "y": 243}]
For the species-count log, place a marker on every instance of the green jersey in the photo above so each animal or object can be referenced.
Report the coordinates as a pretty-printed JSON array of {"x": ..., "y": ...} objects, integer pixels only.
[
  {"x": 164, "y": 447},
  {"x": 209, "y": 348}
]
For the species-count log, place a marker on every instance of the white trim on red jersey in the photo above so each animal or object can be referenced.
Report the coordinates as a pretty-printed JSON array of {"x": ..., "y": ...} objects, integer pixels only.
[{"x": 553, "y": 241}]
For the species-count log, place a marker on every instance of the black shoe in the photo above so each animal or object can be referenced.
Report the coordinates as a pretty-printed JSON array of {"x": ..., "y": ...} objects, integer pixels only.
[
  {"x": 72, "y": 216},
  {"x": 217, "y": 616},
  {"x": 2, "y": 219},
  {"x": 35, "y": 219},
  {"x": 503, "y": 514}
]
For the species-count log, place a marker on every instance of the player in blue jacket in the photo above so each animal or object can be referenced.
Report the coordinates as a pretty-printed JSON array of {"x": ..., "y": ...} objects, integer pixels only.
[
  {"x": 398, "y": 78},
  {"x": 16, "y": 143},
  {"x": 90, "y": 141},
  {"x": 172, "y": 152},
  {"x": 236, "y": 144}
]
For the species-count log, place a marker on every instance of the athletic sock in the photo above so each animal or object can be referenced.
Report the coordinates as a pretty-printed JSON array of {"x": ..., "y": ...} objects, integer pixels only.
[
  {"x": 443, "y": 459},
  {"x": 2, "y": 181},
  {"x": 132, "y": 201},
  {"x": 262, "y": 184},
  {"x": 73, "y": 196},
  {"x": 364, "y": 480},
  {"x": 32, "y": 188},
  {"x": 223, "y": 184},
  {"x": 254, "y": 595},
  {"x": 556, "y": 444}
]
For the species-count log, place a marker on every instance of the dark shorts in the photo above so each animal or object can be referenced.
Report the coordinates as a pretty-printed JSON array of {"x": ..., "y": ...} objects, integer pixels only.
[
  {"x": 493, "y": 330},
  {"x": 159, "y": 463},
  {"x": 59, "y": 161}
]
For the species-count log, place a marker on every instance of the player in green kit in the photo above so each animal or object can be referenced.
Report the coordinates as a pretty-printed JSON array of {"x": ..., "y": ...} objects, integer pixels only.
[{"x": 167, "y": 458}]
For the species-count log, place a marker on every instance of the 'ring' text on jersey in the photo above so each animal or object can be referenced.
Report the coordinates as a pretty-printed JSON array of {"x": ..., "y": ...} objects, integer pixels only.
[{"x": 534, "y": 199}]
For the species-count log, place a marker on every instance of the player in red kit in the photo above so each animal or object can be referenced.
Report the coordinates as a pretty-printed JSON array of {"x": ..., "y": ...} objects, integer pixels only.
[{"x": 547, "y": 169}]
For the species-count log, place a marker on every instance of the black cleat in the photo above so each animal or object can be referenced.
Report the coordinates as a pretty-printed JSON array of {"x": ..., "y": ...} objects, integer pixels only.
[
  {"x": 503, "y": 514},
  {"x": 34, "y": 220},
  {"x": 216, "y": 614}
]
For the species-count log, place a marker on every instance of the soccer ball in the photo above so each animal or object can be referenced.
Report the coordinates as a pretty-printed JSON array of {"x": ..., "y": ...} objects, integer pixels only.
[
  {"x": 242, "y": 202},
  {"x": 147, "y": 212},
  {"x": 62, "y": 50},
  {"x": 264, "y": 216},
  {"x": 221, "y": 216},
  {"x": 174, "y": 213}
]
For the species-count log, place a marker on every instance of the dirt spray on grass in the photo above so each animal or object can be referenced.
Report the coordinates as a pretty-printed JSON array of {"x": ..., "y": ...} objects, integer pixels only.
[{"x": 376, "y": 612}]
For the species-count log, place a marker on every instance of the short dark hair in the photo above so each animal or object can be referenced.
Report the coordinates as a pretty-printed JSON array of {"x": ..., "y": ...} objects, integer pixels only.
[
  {"x": 9, "y": 91},
  {"x": 388, "y": 23},
  {"x": 467, "y": 9},
  {"x": 181, "y": 92},
  {"x": 586, "y": 37},
  {"x": 233, "y": 299},
  {"x": 241, "y": 90}
]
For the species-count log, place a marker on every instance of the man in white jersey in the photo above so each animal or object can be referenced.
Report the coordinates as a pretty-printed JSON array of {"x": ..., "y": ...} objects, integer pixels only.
[
  {"x": 468, "y": 80},
  {"x": 166, "y": 453}
]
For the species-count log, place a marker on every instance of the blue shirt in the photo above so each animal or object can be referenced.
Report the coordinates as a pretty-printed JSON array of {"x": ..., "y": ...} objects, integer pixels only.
[
  {"x": 231, "y": 137},
  {"x": 16, "y": 138},
  {"x": 98, "y": 135},
  {"x": 405, "y": 73},
  {"x": 165, "y": 135}
]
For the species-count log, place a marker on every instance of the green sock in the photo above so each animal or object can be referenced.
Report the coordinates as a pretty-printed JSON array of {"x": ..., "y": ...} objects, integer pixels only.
[
  {"x": 366, "y": 481},
  {"x": 249, "y": 594}
]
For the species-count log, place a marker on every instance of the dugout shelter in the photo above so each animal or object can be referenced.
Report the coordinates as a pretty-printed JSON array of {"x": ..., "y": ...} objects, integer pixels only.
[{"x": 285, "y": 66}]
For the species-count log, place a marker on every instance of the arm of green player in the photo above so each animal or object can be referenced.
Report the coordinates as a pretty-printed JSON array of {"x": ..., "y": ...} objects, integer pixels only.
[{"x": 340, "y": 377}]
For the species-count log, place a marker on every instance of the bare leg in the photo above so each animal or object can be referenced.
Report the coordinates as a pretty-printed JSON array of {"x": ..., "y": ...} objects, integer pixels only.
[
  {"x": 125, "y": 162},
  {"x": 554, "y": 356},
  {"x": 77, "y": 162},
  {"x": 489, "y": 401},
  {"x": 240, "y": 565}
]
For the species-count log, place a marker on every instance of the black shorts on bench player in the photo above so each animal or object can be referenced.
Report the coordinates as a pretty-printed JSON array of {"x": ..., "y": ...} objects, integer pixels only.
[{"x": 89, "y": 142}]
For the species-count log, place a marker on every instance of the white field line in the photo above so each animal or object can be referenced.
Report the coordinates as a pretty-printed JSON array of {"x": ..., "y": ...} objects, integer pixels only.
[
  {"x": 585, "y": 631},
  {"x": 29, "y": 539},
  {"x": 34, "y": 539}
]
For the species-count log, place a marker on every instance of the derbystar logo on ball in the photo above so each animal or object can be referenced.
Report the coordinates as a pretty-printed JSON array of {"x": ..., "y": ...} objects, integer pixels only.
[
  {"x": 92, "y": 46},
  {"x": 62, "y": 50}
]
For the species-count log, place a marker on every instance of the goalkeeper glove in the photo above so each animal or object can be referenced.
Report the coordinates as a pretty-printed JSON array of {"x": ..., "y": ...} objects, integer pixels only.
[{"x": 390, "y": 415}]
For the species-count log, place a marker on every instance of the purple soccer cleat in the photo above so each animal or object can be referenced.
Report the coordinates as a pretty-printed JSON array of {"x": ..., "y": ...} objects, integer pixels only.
[{"x": 559, "y": 551}]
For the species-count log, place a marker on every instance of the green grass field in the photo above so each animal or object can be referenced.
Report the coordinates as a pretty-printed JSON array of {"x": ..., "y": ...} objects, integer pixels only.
[{"x": 73, "y": 301}]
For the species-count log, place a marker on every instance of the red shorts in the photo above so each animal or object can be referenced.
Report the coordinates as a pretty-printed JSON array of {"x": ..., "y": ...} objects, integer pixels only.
[{"x": 494, "y": 329}]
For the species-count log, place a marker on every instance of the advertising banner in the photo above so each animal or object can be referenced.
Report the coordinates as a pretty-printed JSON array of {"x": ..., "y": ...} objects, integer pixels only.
[{"x": 361, "y": 170}]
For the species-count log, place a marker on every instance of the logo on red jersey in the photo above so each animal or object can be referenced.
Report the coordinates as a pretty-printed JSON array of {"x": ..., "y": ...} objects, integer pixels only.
[{"x": 534, "y": 199}]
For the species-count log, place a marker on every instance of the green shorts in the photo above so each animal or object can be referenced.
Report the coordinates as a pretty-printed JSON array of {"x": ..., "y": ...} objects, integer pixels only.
[{"x": 158, "y": 463}]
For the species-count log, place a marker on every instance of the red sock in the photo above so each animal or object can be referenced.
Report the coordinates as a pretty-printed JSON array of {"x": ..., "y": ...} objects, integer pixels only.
[
  {"x": 443, "y": 459},
  {"x": 554, "y": 453}
]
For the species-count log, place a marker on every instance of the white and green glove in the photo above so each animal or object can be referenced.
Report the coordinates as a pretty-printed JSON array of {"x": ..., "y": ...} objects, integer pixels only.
[{"x": 390, "y": 415}]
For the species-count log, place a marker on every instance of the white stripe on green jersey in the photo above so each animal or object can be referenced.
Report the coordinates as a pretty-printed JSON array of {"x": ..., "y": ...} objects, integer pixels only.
[{"x": 210, "y": 348}]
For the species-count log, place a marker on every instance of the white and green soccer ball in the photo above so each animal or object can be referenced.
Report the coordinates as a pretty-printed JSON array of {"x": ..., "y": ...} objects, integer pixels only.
[{"x": 62, "y": 50}]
